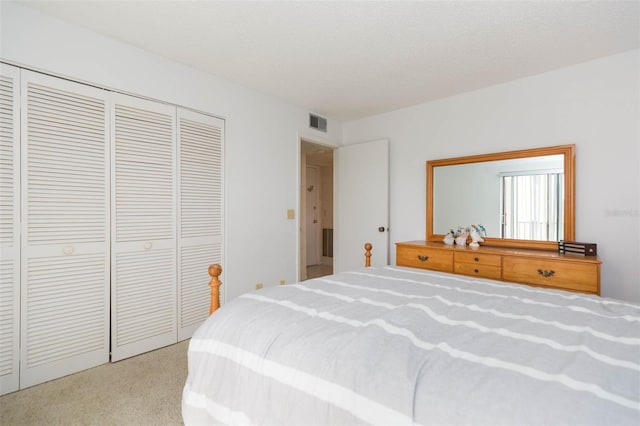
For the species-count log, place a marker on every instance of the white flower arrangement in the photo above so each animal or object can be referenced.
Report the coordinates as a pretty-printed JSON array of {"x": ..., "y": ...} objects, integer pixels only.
[
  {"x": 462, "y": 234},
  {"x": 449, "y": 237},
  {"x": 477, "y": 233}
]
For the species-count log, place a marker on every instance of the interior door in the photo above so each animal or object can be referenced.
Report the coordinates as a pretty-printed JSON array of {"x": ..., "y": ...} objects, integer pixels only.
[
  {"x": 65, "y": 228},
  {"x": 200, "y": 214},
  {"x": 143, "y": 237},
  {"x": 312, "y": 213},
  {"x": 362, "y": 204},
  {"x": 9, "y": 228}
]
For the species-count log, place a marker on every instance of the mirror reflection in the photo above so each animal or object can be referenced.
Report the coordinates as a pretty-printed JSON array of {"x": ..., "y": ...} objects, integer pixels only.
[{"x": 520, "y": 198}]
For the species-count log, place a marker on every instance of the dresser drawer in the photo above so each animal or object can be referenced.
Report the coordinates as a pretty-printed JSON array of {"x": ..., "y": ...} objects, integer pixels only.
[
  {"x": 421, "y": 257},
  {"x": 478, "y": 258},
  {"x": 483, "y": 271},
  {"x": 575, "y": 276}
]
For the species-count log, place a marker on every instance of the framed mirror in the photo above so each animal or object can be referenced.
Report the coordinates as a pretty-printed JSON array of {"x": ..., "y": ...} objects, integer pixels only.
[{"x": 523, "y": 198}]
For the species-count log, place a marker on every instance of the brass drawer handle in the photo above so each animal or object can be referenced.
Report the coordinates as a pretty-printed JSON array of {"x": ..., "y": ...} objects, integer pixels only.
[
  {"x": 422, "y": 258},
  {"x": 546, "y": 274}
]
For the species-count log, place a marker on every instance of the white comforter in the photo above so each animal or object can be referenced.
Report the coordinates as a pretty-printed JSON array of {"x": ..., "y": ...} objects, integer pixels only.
[{"x": 397, "y": 345}]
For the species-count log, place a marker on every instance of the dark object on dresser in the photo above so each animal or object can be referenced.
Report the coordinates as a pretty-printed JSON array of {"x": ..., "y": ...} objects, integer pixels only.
[{"x": 574, "y": 247}]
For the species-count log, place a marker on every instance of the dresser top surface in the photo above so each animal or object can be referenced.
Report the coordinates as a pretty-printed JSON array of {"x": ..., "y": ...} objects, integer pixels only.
[{"x": 507, "y": 251}]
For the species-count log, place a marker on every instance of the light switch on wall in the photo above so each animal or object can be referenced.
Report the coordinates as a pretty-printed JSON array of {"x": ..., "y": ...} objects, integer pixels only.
[{"x": 291, "y": 214}]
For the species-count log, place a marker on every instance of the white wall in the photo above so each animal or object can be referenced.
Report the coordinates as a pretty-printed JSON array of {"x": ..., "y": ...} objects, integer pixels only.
[
  {"x": 595, "y": 105},
  {"x": 261, "y": 132}
]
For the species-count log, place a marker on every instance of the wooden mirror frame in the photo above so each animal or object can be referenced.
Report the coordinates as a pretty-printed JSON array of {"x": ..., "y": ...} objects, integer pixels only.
[{"x": 568, "y": 151}]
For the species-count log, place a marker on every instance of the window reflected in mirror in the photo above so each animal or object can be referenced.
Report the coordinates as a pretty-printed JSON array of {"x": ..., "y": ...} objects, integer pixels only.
[{"x": 532, "y": 207}]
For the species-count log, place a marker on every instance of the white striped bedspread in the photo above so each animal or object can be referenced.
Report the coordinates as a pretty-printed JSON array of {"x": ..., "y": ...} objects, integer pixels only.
[{"x": 394, "y": 346}]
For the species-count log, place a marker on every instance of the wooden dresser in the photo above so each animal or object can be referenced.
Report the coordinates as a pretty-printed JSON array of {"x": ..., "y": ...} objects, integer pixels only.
[{"x": 534, "y": 267}]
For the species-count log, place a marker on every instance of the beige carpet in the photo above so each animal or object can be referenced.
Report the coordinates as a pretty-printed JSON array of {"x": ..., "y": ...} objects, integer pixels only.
[{"x": 143, "y": 390}]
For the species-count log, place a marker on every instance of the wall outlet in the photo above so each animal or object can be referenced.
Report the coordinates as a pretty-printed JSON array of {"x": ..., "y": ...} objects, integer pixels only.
[
  {"x": 291, "y": 214},
  {"x": 258, "y": 286},
  {"x": 282, "y": 282}
]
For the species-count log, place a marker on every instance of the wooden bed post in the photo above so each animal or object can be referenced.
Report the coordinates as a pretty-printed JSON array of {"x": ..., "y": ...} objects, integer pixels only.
[
  {"x": 367, "y": 255},
  {"x": 215, "y": 270}
]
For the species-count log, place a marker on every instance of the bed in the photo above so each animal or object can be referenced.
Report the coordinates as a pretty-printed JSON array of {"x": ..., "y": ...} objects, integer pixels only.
[{"x": 394, "y": 345}]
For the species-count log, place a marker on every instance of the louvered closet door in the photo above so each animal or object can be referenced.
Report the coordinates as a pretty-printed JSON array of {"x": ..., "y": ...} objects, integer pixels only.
[
  {"x": 65, "y": 228},
  {"x": 143, "y": 290},
  {"x": 200, "y": 214},
  {"x": 9, "y": 229}
]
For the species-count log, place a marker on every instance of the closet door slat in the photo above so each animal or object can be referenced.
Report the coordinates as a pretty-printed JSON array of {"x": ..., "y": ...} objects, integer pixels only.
[
  {"x": 143, "y": 293},
  {"x": 200, "y": 214},
  {"x": 65, "y": 228},
  {"x": 9, "y": 229}
]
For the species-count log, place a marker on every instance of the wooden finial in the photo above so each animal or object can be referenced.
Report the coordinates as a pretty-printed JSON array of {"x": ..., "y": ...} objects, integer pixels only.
[
  {"x": 367, "y": 254},
  {"x": 214, "y": 271}
]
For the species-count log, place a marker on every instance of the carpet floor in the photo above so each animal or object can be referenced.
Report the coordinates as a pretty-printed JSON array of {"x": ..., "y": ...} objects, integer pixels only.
[{"x": 142, "y": 390}]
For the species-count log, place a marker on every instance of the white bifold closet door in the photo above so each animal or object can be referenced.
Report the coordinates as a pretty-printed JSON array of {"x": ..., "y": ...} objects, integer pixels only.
[
  {"x": 65, "y": 228},
  {"x": 143, "y": 238},
  {"x": 200, "y": 194},
  {"x": 9, "y": 229}
]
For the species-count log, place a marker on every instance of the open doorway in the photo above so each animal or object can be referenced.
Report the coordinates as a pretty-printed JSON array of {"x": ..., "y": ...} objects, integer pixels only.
[{"x": 316, "y": 210}]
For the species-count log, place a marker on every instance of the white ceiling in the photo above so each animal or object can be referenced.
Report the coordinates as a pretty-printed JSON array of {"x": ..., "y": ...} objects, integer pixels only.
[{"x": 350, "y": 59}]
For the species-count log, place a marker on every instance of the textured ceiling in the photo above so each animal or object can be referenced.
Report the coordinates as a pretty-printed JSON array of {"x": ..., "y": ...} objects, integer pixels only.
[{"x": 351, "y": 59}]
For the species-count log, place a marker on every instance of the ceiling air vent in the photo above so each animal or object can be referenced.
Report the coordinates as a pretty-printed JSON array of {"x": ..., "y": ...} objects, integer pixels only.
[{"x": 318, "y": 123}]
